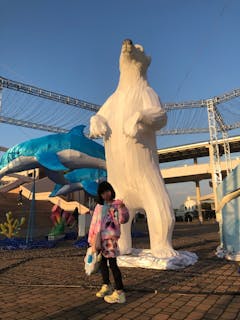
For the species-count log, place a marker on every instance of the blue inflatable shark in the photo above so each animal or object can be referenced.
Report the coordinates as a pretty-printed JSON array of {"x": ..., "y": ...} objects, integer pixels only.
[
  {"x": 56, "y": 153},
  {"x": 86, "y": 178}
]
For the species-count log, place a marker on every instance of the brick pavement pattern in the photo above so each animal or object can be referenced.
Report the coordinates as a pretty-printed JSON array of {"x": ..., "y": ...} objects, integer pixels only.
[{"x": 50, "y": 284}]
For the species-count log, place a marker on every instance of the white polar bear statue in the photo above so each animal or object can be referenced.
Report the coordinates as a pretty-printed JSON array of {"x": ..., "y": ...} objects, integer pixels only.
[{"x": 128, "y": 121}]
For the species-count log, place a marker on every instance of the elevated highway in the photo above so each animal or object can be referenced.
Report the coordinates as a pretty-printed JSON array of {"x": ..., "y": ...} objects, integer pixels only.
[
  {"x": 197, "y": 171},
  {"x": 195, "y": 150}
]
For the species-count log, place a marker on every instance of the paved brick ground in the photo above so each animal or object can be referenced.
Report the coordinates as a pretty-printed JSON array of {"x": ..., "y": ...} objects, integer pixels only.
[{"x": 51, "y": 284}]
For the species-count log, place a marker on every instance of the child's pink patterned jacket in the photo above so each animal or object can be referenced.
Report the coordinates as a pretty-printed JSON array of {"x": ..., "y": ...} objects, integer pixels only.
[{"x": 119, "y": 215}]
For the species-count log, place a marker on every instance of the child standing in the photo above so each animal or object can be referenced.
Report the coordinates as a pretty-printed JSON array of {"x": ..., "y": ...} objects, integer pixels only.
[{"x": 103, "y": 236}]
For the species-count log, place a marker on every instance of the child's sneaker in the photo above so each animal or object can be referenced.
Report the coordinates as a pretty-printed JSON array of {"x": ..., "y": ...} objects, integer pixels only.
[
  {"x": 115, "y": 297},
  {"x": 105, "y": 290}
]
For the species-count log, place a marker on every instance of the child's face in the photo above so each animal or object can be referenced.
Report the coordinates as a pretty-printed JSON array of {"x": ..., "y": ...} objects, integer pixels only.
[{"x": 106, "y": 195}]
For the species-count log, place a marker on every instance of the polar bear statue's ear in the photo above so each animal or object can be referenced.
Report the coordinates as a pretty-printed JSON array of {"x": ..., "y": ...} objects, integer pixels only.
[{"x": 139, "y": 47}]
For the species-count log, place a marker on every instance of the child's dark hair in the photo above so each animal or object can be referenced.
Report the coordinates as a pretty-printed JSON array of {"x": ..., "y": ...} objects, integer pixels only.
[{"x": 105, "y": 186}]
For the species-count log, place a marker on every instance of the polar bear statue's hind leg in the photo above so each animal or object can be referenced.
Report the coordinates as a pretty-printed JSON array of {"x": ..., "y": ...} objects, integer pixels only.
[
  {"x": 125, "y": 241},
  {"x": 160, "y": 224}
]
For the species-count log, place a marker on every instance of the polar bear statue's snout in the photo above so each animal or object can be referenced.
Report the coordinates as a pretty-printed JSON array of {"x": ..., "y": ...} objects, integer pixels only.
[
  {"x": 127, "y": 42},
  {"x": 127, "y": 46}
]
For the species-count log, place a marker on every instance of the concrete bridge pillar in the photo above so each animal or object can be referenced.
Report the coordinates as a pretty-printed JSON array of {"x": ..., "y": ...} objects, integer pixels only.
[{"x": 198, "y": 196}]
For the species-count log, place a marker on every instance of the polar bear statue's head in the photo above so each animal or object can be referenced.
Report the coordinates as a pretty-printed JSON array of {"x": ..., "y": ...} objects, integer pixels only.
[{"x": 133, "y": 59}]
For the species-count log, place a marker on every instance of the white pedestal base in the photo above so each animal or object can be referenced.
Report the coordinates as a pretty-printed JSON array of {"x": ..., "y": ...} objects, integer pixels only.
[{"x": 142, "y": 258}]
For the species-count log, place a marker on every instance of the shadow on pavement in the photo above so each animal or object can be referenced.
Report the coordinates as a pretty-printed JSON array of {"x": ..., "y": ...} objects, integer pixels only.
[{"x": 96, "y": 308}]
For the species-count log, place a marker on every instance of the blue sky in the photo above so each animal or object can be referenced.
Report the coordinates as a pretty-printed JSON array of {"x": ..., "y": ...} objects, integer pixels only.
[{"x": 72, "y": 47}]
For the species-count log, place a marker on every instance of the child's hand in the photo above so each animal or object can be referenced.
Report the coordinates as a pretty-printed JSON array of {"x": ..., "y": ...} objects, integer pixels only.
[
  {"x": 93, "y": 248},
  {"x": 111, "y": 210}
]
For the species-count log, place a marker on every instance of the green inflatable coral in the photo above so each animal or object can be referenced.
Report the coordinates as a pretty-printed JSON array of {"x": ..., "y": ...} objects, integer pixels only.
[
  {"x": 60, "y": 219},
  {"x": 11, "y": 227}
]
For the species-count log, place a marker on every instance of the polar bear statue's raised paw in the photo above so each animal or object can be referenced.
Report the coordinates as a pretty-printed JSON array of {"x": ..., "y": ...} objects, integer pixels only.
[
  {"x": 98, "y": 127},
  {"x": 131, "y": 126}
]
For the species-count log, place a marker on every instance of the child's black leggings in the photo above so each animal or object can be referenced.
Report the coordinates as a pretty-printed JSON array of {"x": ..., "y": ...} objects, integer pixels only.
[{"x": 115, "y": 271}]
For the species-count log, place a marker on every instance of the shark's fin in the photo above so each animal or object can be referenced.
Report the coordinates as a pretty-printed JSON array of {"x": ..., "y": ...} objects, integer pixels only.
[
  {"x": 78, "y": 130},
  {"x": 90, "y": 186},
  {"x": 67, "y": 188},
  {"x": 50, "y": 161},
  {"x": 55, "y": 190}
]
